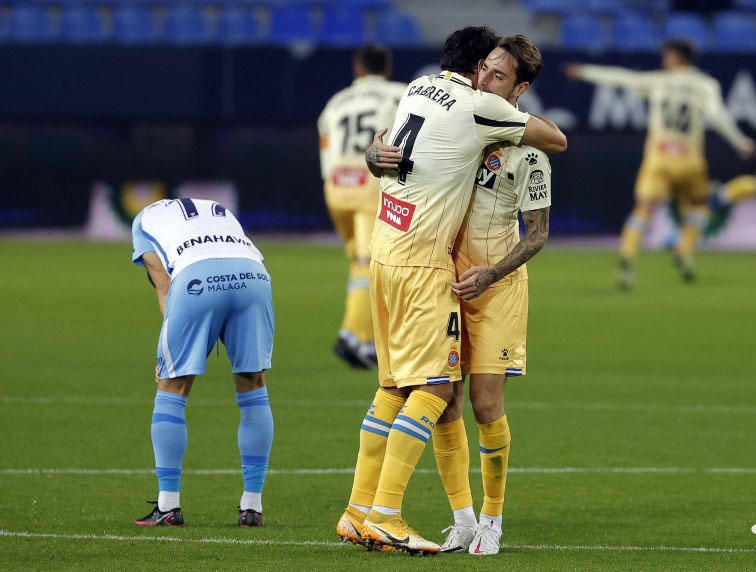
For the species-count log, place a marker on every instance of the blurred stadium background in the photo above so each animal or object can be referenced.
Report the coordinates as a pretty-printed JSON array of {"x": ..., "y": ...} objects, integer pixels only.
[
  {"x": 633, "y": 431},
  {"x": 141, "y": 98}
]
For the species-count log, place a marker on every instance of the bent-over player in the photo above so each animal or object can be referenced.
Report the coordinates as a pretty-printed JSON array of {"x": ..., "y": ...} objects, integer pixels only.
[{"x": 211, "y": 284}]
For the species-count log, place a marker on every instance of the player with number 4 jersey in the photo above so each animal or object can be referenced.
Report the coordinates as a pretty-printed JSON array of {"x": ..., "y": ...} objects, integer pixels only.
[{"x": 442, "y": 125}]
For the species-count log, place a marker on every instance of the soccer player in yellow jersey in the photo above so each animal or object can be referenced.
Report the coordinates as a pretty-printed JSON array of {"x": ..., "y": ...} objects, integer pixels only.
[
  {"x": 441, "y": 127},
  {"x": 681, "y": 98},
  {"x": 733, "y": 191},
  {"x": 347, "y": 125},
  {"x": 490, "y": 259}
]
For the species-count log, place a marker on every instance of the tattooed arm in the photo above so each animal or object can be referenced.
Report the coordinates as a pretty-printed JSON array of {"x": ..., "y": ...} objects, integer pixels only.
[
  {"x": 379, "y": 156},
  {"x": 475, "y": 280}
]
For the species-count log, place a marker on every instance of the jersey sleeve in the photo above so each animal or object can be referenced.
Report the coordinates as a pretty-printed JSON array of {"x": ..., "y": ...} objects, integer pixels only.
[
  {"x": 621, "y": 77},
  {"x": 497, "y": 120},
  {"x": 140, "y": 241},
  {"x": 719, "y": 117},
  {"x": 234, "y": 223},
  {"x": 324, "y": 141},
  {"x": 534, "y": 181}
]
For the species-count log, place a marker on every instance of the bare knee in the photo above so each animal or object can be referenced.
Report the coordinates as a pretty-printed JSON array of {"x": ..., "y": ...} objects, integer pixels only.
[
  {"x": 455, "y": 407},
  {"x": 487, "y": 397},
  {"x": 178, "y": 385},
  {"x": 444, "y": 391},
  {"x": 487, "y": 412},
  {"x": 249, "y": 381}
]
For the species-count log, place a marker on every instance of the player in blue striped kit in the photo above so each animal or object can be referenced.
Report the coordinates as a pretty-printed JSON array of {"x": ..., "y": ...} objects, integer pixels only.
[{"x": 211, "y": 285}]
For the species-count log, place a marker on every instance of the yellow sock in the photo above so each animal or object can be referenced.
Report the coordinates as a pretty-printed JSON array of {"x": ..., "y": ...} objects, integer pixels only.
[
  {"x": 373, "y": 435},
  {"x": 740, "y": 188},
  {"x": 357, "y": 317},
  {"x": 494, "y": 458},
  {"x": 695, "y": 223},
  {"x": 632, "y": 235},
  {"x": 411, "y": 430},
  {"x": 453, "y": 460}
]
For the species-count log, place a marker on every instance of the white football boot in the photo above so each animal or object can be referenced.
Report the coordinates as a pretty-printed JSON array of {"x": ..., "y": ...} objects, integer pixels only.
[
  {"x": 459, "y": 538},
  {"x": 486, "y": 542}
]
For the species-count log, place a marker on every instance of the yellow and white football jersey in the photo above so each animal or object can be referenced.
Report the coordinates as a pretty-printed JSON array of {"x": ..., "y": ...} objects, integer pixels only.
[
  {"x": 681, "y": 102},
  {"x": 441, "y": 125},
  {"x": 510, "y": 180},
  {"x": 494, "y": 326},
  {"x": 347, "y": 125}
]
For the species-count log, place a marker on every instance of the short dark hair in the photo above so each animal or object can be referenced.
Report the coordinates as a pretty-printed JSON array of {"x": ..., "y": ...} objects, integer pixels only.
[
  {"x": 683, "y": 48},
  {"x": 527, "y": 57},
  {"x": 374, "y": 59},
  {"x": 466, "y": 47}
]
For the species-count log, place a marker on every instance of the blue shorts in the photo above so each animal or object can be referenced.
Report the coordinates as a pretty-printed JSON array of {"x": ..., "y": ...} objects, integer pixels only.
[{"x": 218, "y": 298}]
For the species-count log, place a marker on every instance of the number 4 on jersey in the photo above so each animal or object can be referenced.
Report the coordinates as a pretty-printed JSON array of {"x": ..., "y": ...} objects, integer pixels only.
[
  {"x": 405, "y": 139},
  {"x": 452, "y": 326}
]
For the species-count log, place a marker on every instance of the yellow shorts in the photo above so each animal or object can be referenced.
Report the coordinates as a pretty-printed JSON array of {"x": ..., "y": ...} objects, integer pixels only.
[
  {"x": 355, "y": 228},
  {"x": 663, "y": 177},
  {"x": 495, "y": 326},
  {"x": 417, "y": 325},
  {"x": 352, "y": 211}
]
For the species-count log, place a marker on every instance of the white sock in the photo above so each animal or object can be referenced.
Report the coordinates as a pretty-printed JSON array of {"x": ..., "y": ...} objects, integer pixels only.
[
  {"x": 251, "y": 501},
  {"x": 361, "y": 508},
  {"x": 386, "y": 510},
  {"x": 465, "y": 517},
  {"x": 168, "y": 500},
  {"x": 491, "y": 521}
]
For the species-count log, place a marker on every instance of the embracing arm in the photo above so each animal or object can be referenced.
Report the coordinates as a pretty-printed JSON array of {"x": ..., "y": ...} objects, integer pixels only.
[
  {"x": 475, "y": 280},
  {"x": 158, "y": 276},
  {"x": 379, "y": 156},
  {"x": 544, "y": 134}
]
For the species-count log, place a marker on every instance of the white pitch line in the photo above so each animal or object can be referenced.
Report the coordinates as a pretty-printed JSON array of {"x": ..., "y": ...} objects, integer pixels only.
[
  {"x": 358, "y": 403},
  {"x": 421, "y": 471},
  {"x": 201, "y": 540},
  {"x": 266, "y": 542},
  {"x": 200, "y": 401}
]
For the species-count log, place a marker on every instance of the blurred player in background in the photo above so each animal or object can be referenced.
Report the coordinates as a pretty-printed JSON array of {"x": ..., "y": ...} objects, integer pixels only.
[
  {"x": 733, "y": 191},
  {"x": 442, "y": 125},
  {"x": 211, "y": 284},
  {"x": 347, "y": 126},
  {"x": 493, "y": 284},
  {"x": 681, "y": 98}
]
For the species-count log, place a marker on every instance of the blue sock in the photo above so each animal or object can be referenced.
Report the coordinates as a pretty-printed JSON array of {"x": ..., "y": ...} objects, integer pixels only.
[
  {"x": 169, "y": 439},
  {"x": 255, "y": 437}
]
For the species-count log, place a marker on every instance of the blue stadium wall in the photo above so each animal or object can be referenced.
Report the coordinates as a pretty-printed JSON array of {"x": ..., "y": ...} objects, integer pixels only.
[{"x": 71, "y": 115}]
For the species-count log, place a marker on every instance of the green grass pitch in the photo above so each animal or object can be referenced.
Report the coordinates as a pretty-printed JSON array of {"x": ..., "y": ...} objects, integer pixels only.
[{"x": 633, "y": 433}]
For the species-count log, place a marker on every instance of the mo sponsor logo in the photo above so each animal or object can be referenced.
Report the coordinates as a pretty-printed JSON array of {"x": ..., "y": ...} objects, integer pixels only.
[{"x": 395, "y": 212}]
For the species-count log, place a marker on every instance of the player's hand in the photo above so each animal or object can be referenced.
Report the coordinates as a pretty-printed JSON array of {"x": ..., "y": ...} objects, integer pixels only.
[
  {"x": 383, "y": 156},
  {"x": 157, "y": 374},
  {"x": 473, "y": 282},
  {"x": 747, "y": 151},
  {"x": 572, "y": 71}
]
